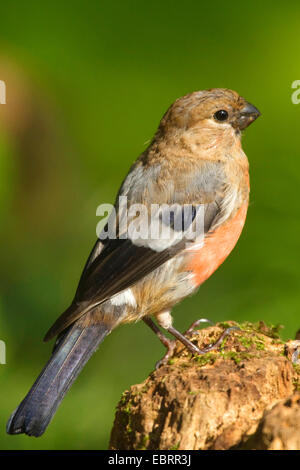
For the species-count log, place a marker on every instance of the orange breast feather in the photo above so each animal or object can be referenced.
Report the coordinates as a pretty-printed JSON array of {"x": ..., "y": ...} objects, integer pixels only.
[{"x": 217, "y": 247}]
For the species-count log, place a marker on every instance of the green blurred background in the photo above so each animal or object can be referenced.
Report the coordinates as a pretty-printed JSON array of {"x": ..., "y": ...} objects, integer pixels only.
[{"x": 87, "y": 83}]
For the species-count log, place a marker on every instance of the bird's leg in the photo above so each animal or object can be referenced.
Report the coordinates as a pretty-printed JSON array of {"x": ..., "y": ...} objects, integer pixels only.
[
  {"x": 168, "y": 343},
  {"x": 165, "y": 320},
  {"x": 187, "y": 343}
]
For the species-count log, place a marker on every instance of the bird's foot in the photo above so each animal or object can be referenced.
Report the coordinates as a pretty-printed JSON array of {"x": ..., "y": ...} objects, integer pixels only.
[
  {"x": 215, "y": 345},
  {"x": 183, "y": 338},
  {"x": 170, "y": 345},
  {"x": 191, "y": 346},
  {"x": 194, "y": 325}
]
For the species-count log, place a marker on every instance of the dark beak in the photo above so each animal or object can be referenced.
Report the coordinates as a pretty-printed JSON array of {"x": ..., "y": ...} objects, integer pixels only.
[{"x": 246, "y": 116}]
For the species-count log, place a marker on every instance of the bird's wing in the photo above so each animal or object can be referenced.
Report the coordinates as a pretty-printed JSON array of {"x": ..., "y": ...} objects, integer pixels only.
[{"x": 117, "y": 264}]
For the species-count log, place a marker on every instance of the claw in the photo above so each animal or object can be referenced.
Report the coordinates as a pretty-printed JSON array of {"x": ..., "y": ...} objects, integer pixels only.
[
  {"x": 192, "y": 347},
  {"x": 215, "y": 345},
  {"x": 170, "y": 350},
  {"x": 196, "y": 323},
  {"x": 168, "y": 343}
]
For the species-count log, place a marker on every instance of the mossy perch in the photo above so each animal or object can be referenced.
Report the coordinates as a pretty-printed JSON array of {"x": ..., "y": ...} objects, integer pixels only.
[{"x": 239, "y": 396}]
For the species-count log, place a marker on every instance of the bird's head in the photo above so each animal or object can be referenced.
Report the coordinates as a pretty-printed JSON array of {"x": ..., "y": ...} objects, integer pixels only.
[{"x": 218, "y": 109}]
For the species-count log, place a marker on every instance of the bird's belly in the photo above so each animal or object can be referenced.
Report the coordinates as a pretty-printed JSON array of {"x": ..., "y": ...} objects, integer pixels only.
[
  {"x": 217, "y": 247},
  {"x": 180, "y": 276}
]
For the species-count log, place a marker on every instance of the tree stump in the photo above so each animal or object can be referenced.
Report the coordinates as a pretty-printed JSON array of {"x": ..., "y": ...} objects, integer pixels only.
[{"x": 241, "y": 396}]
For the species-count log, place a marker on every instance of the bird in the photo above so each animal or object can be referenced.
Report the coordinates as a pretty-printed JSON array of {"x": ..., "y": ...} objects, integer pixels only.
[{"x": 195, "y": 161}]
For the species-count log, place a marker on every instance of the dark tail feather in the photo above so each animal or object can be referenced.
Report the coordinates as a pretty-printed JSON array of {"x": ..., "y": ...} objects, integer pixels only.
[{"x": 70, "y": 355}]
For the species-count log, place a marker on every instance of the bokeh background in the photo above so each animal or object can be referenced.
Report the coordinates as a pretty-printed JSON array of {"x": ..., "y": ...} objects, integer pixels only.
[{"x": 87, "y": 83}]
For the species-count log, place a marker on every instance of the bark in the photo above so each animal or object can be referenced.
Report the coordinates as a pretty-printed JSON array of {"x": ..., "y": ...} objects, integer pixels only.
[{"x": 241, "y": 396}]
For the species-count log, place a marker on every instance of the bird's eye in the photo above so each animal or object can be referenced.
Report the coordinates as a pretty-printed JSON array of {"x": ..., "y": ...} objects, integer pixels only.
[{"x": 221, "y": 115}]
